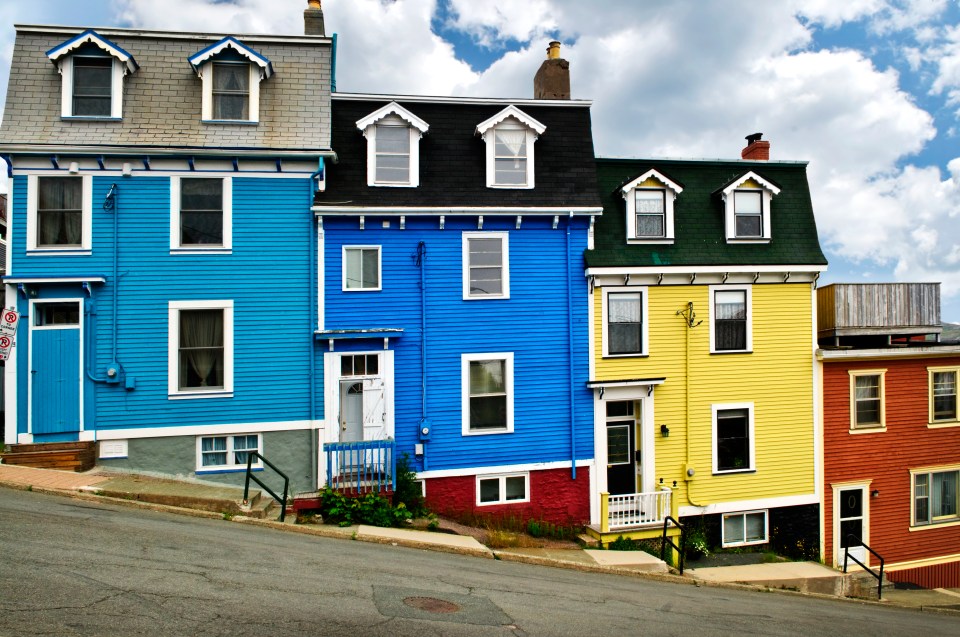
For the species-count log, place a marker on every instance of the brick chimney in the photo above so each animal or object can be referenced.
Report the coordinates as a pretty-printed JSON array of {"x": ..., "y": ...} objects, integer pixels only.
[
  {"x": 552, "y": 81},
  {"x": 756, "y": 148},
  {"x": 313, "y": 19}
]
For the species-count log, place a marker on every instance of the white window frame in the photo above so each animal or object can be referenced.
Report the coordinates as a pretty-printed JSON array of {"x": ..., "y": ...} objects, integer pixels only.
[
  {"x": 231, "y": 466},
  {"x": 116, "y": 89},
  {"x": 944, "y": 422},
  {"x": 206, "y": 107},
  {"x": 504, "y": 238},
  {"x": 867, "y": 428},
  {"x": 644, "y": 321},
  {"x": 935, "y": 522},
  {"x": 752, "y": 442},
  {"x": 502, "y": 478},
  {"x": 33, "y": 202},
  {"x": 651, "y": 180},
  {"x": 393, "y": 115},
  {"x": 465, "y": 360},
  {"x": 173, "y": 349},
  {"x": 768, "y": 190},
  {"x": 713, "y": 289},
  {"x": 227, "y": 206},
  {"x": 343, "y": 268},
  {"x": 743, "y": 514},
  {"x": 514, "y": 119}
]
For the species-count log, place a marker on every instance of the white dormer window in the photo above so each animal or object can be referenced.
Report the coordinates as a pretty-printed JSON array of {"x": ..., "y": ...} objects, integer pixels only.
[
  {"x": 747, "y": 202},
  {"x": 649, "y": 200},
  {"x": 509, "y": 136},
  {"x": 393, "y": 146},
  {"x": 92, "y": 70},
  {"x": 231, "y": 73}
]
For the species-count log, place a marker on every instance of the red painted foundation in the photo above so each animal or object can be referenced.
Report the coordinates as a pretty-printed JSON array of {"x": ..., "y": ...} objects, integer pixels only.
[{"x": 554, "y": 497}]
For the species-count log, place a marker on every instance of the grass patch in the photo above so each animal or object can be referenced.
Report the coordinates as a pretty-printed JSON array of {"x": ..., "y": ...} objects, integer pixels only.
[{"x": 499, "y": 539}]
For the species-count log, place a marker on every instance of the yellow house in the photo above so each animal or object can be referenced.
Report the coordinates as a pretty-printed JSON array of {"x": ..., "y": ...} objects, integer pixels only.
[{"x": 703, "y": 337}]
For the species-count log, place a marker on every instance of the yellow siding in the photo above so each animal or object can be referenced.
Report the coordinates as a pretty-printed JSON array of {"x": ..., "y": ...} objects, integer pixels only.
[{"x": 777, "y": 377}]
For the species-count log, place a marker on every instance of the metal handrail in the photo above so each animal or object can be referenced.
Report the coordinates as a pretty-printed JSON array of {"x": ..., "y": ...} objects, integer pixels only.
[
  {"x": 846, "y": 554},
  {"x": 250, "y": 476},
  {"x": 664, "y": 540}
]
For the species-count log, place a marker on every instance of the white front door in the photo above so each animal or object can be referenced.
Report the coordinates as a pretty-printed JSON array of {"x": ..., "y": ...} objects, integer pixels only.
[
  {"x": 351, "y": 411},
  {"x": 851, "y": 525}
]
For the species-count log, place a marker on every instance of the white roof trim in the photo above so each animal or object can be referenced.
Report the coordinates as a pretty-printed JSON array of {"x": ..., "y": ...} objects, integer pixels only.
[
  {"x": 393, "y": 109},
  {"x": 755, "y": 177},
  {"x": 516, "y": 113},
  {"x": 92, "y": 37},
  {"x": 656, "y": 174},
  {"x": 230, "y": 42}
]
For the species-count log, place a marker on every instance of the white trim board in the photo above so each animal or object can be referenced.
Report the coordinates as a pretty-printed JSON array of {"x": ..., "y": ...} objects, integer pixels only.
[
  {"x": 511, "y": 468},
  {"x": 199, "y": 430},
  {"x": 749, "y": 505}
]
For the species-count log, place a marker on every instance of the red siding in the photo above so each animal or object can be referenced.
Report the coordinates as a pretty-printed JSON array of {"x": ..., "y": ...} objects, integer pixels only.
[
  {"x": 936, "y": 576},
  {"x": 554, "y": 497},
  {"x": 887, "y": 457}
]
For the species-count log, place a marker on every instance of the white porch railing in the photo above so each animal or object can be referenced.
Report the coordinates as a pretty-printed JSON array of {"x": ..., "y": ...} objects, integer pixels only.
[{"x": 637, "y": 509}]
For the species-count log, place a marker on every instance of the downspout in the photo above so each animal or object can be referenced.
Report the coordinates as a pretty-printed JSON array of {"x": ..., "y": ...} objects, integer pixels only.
[
  {"x": 573, "y": 401},
  {"x": 109, "y": 205},
  {"x": 421, "y": 258},
  {"x": 333, "y": 65},
  {"x": 314, "y": 276},
  {"x": 688, "y": 319}
]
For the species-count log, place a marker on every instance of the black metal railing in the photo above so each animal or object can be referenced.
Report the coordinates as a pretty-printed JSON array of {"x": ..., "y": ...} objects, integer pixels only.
[
  {"x": 250, "y": 476},
  {"x": 854, "y": 541},
  {"x": 664, "y": 540}
]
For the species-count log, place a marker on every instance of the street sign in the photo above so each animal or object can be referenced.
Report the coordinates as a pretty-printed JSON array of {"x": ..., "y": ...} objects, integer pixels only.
[
  {"x": 9, "y": 320},
  {"x": 6, "y": 343}
]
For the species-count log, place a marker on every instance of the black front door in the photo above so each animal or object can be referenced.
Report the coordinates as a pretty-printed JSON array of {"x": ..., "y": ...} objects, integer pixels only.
[{"x": 621, "y": 448}]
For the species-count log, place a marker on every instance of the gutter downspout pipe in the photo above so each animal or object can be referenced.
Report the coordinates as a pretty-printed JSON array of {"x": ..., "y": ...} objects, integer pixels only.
[
  {"x": 573, "y": 400},
  {"x": 421, "y": 259}
]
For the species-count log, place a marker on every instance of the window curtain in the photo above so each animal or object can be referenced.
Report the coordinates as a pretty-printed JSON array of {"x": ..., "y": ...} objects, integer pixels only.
[
  {"x": 201, "y": 343},
  {"x": 60, "y": 211},
  {"x": 625, "y": 323},
  {"x": 731, "y": 320},
  {"x": 943, "y": 495},
  {"x": 231, "y": 91},
  {"x": 513, "y": 141}
]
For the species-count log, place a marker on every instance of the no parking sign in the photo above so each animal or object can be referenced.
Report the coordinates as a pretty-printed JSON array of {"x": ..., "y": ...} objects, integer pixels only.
[
  {"x": 5, "y": 344},
  {"x": 9, "y": 321}
]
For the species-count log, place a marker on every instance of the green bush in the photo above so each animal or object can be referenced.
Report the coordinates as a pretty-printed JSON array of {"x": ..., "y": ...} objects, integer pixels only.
[
  {"x": 369, "y": 508},
  {"x": 406, "y": 491}
]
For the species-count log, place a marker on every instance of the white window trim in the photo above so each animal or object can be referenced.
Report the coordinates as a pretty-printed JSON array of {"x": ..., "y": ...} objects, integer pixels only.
[
  {"x": 750, "y": 433},
  {"x": 670, "y": 190},
  {"x": 947, "y": 422},
  {"x": 343, "y": 268},
  {"x": 769, "y": 191},
  {"x": 513, "y": 118},
  {"x": 503, "y": 488},
  {"x": 416, "y": 126},
  {"x": 66, "y": 91},
  {"x": 505, "y": 247},
  {"x": 33, "y": 193},
  {"x": 230, "y": 467},
  {"x": 749, "y": 301},
  {"x": 227, "y": 206},
  {"x": 644, "y": 318},
  {"x": 465, "y": 360},
  {"x": 766, "y": 528},
  {"x": 854, "y": 374},
  {"x": 951, "y": 521},
  {"x": 173, "y": 349},
  {"x": 206, "y": 107}
]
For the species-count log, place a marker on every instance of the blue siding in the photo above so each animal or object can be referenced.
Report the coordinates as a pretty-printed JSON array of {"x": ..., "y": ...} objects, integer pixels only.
[{"x": 532, "y": 323}]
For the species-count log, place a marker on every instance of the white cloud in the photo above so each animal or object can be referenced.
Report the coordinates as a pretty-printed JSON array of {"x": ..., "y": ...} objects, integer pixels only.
[{"x": 489, "y": 21}]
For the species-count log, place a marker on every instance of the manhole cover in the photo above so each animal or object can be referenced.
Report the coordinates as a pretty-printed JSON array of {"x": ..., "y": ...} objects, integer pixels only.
[{"x": 431, "y": 604}]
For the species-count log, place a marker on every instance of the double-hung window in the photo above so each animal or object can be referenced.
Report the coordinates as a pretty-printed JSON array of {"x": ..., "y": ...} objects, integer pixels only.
[
  {"x": 935, "y": 496},
  {"x": 200, "y": 349},
  {"x": 59, "y": 213},
  {"x": 486, "y": 273},
  {"x": 231, "y": 91},
  {"x": 748, "y": 200},
  {"x": 231, "y": 73},
  {"x": 510, "y": 157},
  {"x": 91, "y": 69},
  {"x": 733, "y": 438},
  {"x": 943, "y": 395},
  {"x": 393, "y": 146},
  {"x": 393, "y": 154},
  {"x": 867, "y": 409},
  {"x": 625, "y": 331},
  {"x": 487, "y": 381},
  {"x": 651, "y": 210},
  {"x": 201, "y": 211},
  {"x": 748, "y": 213},
  {"x": 509, "y": 136},
  {"x": 649, "y": 200},
  {"x": 361, "y": 268},
  {"x": 731, "y": 327},
  {"x": 92, "y": 86},
  {"x": 228, "y": 452}
]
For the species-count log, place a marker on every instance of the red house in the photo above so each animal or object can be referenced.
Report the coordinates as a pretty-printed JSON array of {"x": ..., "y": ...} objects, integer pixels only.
[{"x": 891, "y": 431}]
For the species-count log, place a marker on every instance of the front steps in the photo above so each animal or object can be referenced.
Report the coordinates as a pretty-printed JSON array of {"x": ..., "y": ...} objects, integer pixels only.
[{"x": 65, "y": 456}]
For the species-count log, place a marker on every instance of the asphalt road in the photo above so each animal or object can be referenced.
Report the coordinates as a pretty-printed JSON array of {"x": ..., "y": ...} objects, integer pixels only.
[{"x": 72, "y": 567}]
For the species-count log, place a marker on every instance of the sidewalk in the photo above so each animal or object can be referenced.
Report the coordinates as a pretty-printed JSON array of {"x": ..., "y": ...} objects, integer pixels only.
[{"x": 187, "y": 497}]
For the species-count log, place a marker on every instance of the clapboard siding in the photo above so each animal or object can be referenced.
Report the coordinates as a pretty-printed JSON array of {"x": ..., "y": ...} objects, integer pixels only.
[
  {"x": 532, "y": 323},
  {"x": 267, "y": 276},
  {"x": 886, "y": 457},
  {"x": 850, "y": 306},
  {"x": 777, "y": 377}
]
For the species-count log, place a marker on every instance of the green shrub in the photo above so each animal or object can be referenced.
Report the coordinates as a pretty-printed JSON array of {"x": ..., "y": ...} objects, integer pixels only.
[
  {"x": 406, "y": 491},
  {"x": 369, "y": 508}
]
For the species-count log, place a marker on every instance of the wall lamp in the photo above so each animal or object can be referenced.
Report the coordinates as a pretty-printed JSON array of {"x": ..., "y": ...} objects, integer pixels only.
[
  {"x": 875, "y": 493},
  {"x": 664, "y": 431}
]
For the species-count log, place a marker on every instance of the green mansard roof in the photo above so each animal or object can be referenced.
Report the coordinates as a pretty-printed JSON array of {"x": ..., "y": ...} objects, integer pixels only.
[{"x": 700, "y": 238}]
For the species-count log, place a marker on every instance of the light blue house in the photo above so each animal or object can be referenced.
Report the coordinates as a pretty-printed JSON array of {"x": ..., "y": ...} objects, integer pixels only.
[{"x": 160, "y": 250}]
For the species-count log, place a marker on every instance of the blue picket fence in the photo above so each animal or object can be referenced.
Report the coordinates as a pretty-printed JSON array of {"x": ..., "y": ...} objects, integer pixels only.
[{"x": 368, "y": 466}]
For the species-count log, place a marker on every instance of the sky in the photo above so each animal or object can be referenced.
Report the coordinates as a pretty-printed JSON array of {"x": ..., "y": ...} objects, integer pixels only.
[{"x": 866, "y": 91}]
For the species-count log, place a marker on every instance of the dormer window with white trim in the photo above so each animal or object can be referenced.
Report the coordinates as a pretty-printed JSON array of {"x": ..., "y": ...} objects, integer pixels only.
[
  {"x": 92, "y": 69},
  {"x": 747, "y": 204},
  {"x": 393, "y": 146},
  {"x": 649, "y": 204},
  {"x": 231, "y": 73},
  {"x": 510, "y": 136}
]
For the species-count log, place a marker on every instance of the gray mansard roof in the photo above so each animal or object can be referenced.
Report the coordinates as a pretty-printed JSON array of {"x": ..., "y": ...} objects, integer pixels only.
[{"x": 162, "y": 99}]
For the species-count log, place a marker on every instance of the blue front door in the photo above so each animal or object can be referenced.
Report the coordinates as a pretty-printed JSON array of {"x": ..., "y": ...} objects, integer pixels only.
[{"x": 55, "y": 371}]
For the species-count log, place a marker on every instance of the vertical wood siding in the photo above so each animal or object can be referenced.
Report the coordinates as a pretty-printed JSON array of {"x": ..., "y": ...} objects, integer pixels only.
[
  {"x": 777, "y": 377},
  {"x": 849, "y": 305},
  {"x": 886, "y": 457}
]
